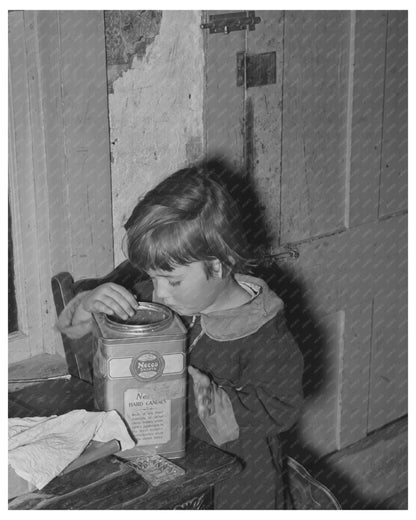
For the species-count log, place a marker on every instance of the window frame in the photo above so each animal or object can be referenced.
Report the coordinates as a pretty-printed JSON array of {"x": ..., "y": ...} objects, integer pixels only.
[{"x": 29, "y": 214}]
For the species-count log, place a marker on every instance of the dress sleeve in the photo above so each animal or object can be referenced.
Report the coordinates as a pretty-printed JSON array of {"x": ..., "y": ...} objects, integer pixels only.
[
  {"x": 64, "y": 323},
  {"x": 269, "y": 393}
]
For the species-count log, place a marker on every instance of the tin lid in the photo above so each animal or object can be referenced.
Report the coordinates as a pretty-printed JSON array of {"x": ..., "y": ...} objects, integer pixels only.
[{"x": 149, "y": 317}]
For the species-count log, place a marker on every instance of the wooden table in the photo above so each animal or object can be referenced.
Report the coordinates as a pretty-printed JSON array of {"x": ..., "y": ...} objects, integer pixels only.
[{"x": 108, "y": 483}]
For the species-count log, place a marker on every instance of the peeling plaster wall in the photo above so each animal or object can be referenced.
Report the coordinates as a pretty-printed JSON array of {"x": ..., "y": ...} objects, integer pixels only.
[{"x": 155, "y": 111}]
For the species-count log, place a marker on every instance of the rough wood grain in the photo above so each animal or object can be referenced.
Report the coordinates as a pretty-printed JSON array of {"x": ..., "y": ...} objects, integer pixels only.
[
  {"x": 265, "y": 163},
  {"x": 315, "y": 103},
  {"x": 367, "y": 88},
  {"x": 224, "y": 101},
  {"x": 393, "y": 180}
]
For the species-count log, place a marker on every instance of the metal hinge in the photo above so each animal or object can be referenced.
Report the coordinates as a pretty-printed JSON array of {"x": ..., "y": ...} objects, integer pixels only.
[{"x": 227, "y": 22}]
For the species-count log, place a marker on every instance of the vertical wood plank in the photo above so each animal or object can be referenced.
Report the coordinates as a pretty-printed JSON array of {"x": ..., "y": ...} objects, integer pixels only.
[
  {"x": 367, "y": 111},
  {"x": 39, "y": 176},
  {"x": 393, "y": 181},
  {"x": 315, "y": 103},
  {"x": 15, "y": 22},
  {"x": 319, "y": 422},
  {"x": 267, "y": 129},
  {"x": 388, "y": 378},
  {"x": 315, "y": 309},
  {"x": 49, "y": 61},
  {"x": 356, "y": 258},
  {"x": 24, "y": 193},
  {"x": 85, "y": 113},
  {"x": 18, "y": 342},
  {"x": 224, "y": 112},
  {"x": 353, "y": 405}
]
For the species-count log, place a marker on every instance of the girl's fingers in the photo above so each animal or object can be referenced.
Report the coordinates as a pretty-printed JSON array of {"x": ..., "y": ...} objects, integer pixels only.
[
  {"x": 125, "y": 295},
  {"x": 198, "y": 377},
  {"x": 193, "y": 372},
  {"x": 204, "y": 404},
  {"x": 111, "y": 297},
  {"x": 109, "y": 302},
  {"x": 114, "y": 296},
  {"x": 102, "y": 307},
  {"x": 202, "y": 391},
  {"x": 129, "y": 305}
]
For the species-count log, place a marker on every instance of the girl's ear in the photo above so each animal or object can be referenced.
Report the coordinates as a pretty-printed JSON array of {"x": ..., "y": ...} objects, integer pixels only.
[{"x": 217, "y": 270}]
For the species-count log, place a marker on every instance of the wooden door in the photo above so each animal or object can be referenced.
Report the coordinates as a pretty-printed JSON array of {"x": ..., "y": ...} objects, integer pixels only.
[{"x": 324, "y": 146}]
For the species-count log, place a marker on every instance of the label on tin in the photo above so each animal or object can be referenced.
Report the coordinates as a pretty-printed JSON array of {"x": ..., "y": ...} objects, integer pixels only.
[
  {"x": 149, "y": 417},
  {"x": 121, "y": 367},
  {"x": 148, "y": 410},
  {"x": 148, "y": 365}
]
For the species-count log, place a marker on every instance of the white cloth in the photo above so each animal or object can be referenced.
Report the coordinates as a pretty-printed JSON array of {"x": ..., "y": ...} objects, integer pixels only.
[{"x": 41, "y": 447}]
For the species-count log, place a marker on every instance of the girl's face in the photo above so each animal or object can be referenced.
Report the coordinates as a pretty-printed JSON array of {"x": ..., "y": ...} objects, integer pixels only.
[{"x": 186, "y": 289}]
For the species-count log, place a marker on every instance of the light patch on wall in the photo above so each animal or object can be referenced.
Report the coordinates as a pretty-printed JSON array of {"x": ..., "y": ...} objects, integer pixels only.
[{"x": 156, "y": 114}]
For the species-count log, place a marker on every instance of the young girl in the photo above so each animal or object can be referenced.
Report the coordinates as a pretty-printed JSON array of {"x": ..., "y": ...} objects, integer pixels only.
[{"x": 245, "y": 366}]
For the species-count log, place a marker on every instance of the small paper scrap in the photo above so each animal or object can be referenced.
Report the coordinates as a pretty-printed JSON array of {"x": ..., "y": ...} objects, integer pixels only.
[{"x": 155, "y": 469}]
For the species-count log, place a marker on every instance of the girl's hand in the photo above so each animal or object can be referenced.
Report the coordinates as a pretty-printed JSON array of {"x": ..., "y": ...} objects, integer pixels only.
[
  {"x": 203, "y": 391},
  {"x": 110, "y": 298}
]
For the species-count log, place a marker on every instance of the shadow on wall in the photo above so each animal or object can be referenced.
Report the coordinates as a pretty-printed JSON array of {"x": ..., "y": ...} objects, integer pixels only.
[
  {"x": 313, "y": 344},
  {"x": 303, "y": 325},
  {"x": 239, "y": 184},
  {"x": 301, "y": 321}
]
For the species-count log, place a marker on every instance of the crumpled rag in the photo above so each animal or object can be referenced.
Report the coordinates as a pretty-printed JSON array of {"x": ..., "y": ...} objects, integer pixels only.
[{"x": 41, "y": 447}]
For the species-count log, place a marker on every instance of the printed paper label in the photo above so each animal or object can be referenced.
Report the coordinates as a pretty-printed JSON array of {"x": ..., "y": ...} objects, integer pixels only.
[
  {"x": 121, "y": 367},
  {"x": 149, "y": 416}
]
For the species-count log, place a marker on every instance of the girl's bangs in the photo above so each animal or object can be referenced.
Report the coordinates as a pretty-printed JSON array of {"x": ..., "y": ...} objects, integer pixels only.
[{"x": 168, "y": 246}]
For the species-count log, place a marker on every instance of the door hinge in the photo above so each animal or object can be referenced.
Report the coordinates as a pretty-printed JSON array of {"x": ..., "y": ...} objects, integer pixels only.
[{"x": 227, "y": 22}]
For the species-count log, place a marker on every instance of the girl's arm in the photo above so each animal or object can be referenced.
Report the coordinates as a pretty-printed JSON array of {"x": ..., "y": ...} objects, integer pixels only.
[
  {"x": 269, "y": 394},
  {"x": 72, "y": 321},
  {"x": 109, "y": 298},
  {"x": 214, "y": 408},
  {"x": 268, "y": 397}
]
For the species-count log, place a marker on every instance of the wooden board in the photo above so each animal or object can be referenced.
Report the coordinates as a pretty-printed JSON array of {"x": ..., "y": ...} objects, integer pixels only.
[
  {"x": 388, "y": 376},
  {"x": 263, "y": 135},
  {"x": 224, "y": 119},
  {"x": 315, "y": 104},
  {"x": 366, "y": 129},
  {"x": 393, "y": 181}
]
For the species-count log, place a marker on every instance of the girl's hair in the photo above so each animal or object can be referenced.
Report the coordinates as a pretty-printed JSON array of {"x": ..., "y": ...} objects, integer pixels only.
[{"x": 188, "y": 217}]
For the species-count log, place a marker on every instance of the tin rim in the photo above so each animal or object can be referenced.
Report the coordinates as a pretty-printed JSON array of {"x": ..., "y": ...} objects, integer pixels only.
[{"x": 144, "y": 328}]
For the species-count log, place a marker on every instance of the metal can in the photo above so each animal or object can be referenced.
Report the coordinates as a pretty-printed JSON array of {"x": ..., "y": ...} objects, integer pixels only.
[{"x": 139, "y": 370}]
